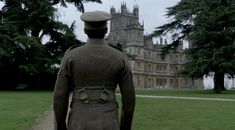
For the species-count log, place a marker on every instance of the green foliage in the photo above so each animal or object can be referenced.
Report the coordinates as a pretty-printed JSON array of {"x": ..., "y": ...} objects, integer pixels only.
[
  {"x": 29, "y": 54},
  {"x": 209, "y": 26},
  {"x": 20, "y": 34},
  {"x": 24, "y": 24}
]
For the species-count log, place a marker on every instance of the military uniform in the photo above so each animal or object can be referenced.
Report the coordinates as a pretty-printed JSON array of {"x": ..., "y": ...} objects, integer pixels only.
[{"x": 92, "y": 72}]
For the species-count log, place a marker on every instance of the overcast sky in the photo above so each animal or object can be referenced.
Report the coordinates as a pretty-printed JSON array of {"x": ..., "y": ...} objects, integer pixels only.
[{"x": 152, "y": 13}]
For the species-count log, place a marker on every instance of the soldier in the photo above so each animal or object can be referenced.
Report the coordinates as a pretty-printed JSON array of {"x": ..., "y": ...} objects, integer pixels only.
[{"x": 92, "y": 72}]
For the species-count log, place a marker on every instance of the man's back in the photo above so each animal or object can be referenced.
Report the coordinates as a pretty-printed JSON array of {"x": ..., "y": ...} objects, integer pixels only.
[
  {"x": 96, "y": 64},
  {"x": 92, "y": 72}
]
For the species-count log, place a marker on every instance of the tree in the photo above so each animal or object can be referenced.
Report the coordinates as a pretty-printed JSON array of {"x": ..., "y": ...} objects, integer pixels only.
[
  {"x": 23, "y": 25},
  {"x": 209, "y": 26}
]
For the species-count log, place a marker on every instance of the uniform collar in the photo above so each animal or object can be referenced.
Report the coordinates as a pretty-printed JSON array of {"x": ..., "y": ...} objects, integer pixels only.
[{"x": 93, "y": 41}]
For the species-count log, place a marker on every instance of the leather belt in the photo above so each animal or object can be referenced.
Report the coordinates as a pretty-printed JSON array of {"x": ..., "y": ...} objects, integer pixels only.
[{"x": 96, "y": 93}]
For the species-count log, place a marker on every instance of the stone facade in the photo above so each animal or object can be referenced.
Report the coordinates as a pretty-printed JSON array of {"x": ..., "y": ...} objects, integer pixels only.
[{"x": 149, "y": 69}]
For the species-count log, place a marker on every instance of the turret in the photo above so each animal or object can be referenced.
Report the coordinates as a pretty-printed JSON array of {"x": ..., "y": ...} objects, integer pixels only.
[
  {"x": 123, "y": 8},
  {"x": 125, "y": 26},
  {"x": 136, "y": 11},
  {"x": 112, "y": 10}
]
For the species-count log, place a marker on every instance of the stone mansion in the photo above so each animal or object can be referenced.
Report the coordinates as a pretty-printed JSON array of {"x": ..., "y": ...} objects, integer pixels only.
[{"x": 149, "y": 69}]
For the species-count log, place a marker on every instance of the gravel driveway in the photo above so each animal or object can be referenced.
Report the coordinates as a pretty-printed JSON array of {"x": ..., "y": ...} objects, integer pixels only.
[{"x": 45, "y": 121}]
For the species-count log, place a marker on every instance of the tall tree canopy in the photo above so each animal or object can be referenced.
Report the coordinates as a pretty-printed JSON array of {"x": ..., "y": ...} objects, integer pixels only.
[
  {"x": 209, "y": 27},
  {"x": 23, "y": 26}
]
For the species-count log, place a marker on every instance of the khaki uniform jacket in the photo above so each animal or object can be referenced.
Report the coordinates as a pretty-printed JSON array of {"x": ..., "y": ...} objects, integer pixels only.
[{"x": 93, "y": 64}]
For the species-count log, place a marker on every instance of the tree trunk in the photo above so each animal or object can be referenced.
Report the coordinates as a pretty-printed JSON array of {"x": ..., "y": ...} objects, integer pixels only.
[{"x": 218, "y": 82}]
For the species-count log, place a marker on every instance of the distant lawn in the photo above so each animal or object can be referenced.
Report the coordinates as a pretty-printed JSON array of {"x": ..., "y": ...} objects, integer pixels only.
[
  {"x": 19, "y": 109},
  {"x": 178, "y": 114},
  {"x": 167, "y": 114}
]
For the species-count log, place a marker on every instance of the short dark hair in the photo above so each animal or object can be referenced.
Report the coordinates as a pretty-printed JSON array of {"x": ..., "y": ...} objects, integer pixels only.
[{"x": 96, "y": 33}]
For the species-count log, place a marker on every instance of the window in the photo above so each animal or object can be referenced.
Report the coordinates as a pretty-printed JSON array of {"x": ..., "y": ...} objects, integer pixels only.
[
  {"x": 149, "y": 67},
  {"x": 138, "y": 82},
  {"x": 149, "y": 54}
]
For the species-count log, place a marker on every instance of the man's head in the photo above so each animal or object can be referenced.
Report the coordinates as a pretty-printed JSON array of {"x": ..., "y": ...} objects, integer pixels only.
[{"x": 95, "y": 23}]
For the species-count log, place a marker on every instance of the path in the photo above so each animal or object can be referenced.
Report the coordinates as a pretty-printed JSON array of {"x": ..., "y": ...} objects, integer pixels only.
[
  {"x": 45, "y": 122},
  {"x": 187, "y": 98}
]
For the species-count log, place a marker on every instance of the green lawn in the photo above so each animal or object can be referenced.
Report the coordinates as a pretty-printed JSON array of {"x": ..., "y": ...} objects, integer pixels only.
[
  {"x": 19, "y": 109},
  {"x": 178, "y": 114},
  {"x": 167, "y": 114}
]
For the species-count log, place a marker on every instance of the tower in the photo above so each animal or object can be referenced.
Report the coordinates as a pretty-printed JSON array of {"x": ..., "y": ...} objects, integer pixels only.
[
  {"x": 112, "y": 10},
  {"x": 149, "y": 69},
  {"x": 123, "y": 8},
  {"x": 125, "y": 26},
  {"x": 136, "y": 11}
]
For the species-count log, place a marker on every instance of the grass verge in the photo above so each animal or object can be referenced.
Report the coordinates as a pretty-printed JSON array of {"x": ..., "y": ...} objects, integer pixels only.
[{"x": 18, "y": 110}]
